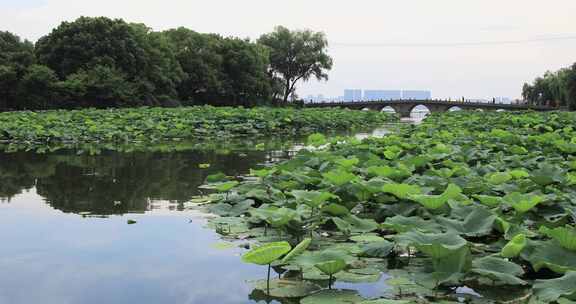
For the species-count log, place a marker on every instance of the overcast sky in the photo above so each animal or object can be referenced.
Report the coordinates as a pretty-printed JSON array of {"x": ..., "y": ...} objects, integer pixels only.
[{"x": 452, "y": 47}]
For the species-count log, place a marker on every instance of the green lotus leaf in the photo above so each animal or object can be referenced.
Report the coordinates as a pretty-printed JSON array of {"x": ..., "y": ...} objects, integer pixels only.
[
  {"x": 333, "y": 297},
  {"x": 336, "y": 210},
  {"x": 339, "y": 177},
  {"x": 498, "y": 269},
  {"x": 352, "y": 223},
  {"x": 437, "y": 201},
  {"x": 366, "y": 238},
  {"x": 549, "y": 255},
  {"x": 401, "y": 224},
  {"x": 311, "y": 258},
  {"x": 389, "y": 172},
  {"x": 216, "y": 178},
  {"x": 565, "y": 236},
  {"x": 262, "y": 172},
  {"x": 313, "y": 198},
  {"x": 331, "y": 267},
  {"x": 316, "y": 140},
  {"x": 266, "y": 254},
  {"x": 299, "y": 249},
  {"x": 551, "y": 290},
  {"x": 523, "y": 202},
  {"x": 354, "y": 277},
  {"x": 519, "y": 173},
  {"x": 225, "y": 209},
  {"x": 435, "y": 245},
  {"x": 402, "y": 191},
  {"x": 282, "y": 288},
  {"x": 513, "y": 248},
  {"x": 479, "y": 222},
  {"x": 498, "y": 178},
  {"x": 387, "y": 301},
  {"x": 276, "y": 217},
  {"x": 379, "y": 249},
  {"x": 547, "y": 174},
  {"x": 227, "y": 186},
  {"x": 490, "y": 201},
  {"x": 348, "y": 163}
]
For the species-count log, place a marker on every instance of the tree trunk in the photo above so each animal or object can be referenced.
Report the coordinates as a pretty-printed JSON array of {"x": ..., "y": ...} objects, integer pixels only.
[{"x": 287, "y": 92}]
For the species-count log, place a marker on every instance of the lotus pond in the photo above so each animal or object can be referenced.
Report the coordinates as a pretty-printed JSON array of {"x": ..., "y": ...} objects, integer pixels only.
[
  {"x": 466, "y": 207},
  {"x": 120, "y": 225},
  {"x": 92, "y": 130}
]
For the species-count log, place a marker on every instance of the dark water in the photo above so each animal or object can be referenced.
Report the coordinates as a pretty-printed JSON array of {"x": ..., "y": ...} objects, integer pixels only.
[{"x": 65, "y": 238}]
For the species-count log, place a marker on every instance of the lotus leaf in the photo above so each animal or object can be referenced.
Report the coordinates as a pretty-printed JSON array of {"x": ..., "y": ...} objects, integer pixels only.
[
  {"x": 523, "y": 202},
  {"x": 552, "y": 290},
  {"x": 267, "y": 253},
  {"x": 514, "y": 247}
]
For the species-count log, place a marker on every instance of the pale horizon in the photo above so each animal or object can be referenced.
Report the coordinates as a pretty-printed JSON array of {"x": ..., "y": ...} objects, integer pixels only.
[{"x": 476, "y": 49}]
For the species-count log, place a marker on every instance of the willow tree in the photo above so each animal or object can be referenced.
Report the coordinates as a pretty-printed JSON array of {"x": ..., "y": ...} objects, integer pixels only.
[{"x": 297, "y": 55}]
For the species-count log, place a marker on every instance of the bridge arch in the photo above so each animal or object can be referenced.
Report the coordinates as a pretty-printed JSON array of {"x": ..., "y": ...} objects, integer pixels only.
[
  {"x": 501, "y": 110},
  {"x": 366, "y": 109},
  {"x": 454, "y": 109},
  {"x": 419, "y": 111},
  {"x": 389, "y": 109}
]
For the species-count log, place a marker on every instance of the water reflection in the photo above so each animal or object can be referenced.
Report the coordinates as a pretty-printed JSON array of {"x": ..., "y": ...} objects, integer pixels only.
[{"x": 167, "y": 257}]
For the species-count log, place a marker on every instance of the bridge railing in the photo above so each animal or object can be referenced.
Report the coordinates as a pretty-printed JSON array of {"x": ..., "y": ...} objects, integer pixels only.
[{"x": 430, "y": 101}]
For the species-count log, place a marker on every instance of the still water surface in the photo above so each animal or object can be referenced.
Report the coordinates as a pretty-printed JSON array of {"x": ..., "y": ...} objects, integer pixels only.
[{"x": 54, "y": 252}]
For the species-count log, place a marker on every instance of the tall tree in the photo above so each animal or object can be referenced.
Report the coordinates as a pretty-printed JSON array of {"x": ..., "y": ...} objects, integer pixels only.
[{"x": 297, "y": 55}]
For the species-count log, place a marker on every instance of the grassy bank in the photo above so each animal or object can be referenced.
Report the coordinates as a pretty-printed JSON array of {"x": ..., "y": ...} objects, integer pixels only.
[
  {"x": 464, "y": 199},
  {"x": 147, "y": 125}
]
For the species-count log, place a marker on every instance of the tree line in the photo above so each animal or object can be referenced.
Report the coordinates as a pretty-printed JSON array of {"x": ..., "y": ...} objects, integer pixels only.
[
  {"x": 102, "y": 62},
  {"x": 556, "y": 89}
]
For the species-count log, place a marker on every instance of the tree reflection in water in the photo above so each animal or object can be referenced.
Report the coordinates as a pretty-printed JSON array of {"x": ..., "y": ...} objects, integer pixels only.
[{"x": 117, "y": 183}]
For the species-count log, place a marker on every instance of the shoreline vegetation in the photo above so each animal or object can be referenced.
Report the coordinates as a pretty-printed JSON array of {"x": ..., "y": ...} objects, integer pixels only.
[
  {"x": 102, "y": 63},
  {"x": 485, "y": 201},
  {"x": 45, "y": 130}
]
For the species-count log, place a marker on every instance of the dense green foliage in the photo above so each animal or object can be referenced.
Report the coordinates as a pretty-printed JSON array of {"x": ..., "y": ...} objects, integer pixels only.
[
  {"x": 464, "y": 199},
  {"x": 554, "y": 89},
  {"x": 28, "y": 130},
  {"x": 102, "y": 62}
]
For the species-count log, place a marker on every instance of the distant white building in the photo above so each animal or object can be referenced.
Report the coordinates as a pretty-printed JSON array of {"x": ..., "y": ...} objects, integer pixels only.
[
  {"x": 352, "y": 95},
  {"x": 418, "y": 95},
  {"x": 382, "y": 94}
]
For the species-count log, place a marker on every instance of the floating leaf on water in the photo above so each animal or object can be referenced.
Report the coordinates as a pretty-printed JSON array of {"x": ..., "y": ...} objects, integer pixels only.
[
  {"x": 333, "y": 297},
  {"x": 432, "y": 244},
  {"x": 281, "y": 288},
  {"x": 366, "y": 238},
  {"x": 203, "y": 166},
  {"x": 377, "y": 249},
  {"x": 131, "y": 222},
  {"x": 499, "y": 269},
  {"x": 552, "y": 290}
]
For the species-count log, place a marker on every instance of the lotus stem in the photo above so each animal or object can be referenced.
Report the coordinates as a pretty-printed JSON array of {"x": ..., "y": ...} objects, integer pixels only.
[{"x": 268, "y": 280}]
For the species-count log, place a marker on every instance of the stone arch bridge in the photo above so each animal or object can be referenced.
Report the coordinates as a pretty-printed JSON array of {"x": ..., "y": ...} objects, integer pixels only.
[{"x": 404, "y": 107}]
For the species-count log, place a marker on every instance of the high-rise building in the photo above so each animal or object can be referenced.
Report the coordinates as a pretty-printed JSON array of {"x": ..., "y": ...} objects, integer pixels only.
[
  {"x": 418, "y": 95},
  {"x": 352, "y": 95},
  {"x": 382, "y": 94}
]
